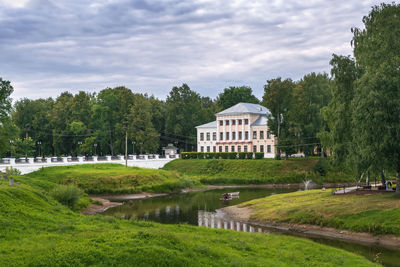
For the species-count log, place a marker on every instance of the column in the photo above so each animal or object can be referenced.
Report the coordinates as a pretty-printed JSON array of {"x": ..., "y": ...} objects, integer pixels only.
[
  {"x": 64, "y": 159},
  {"x": 108, "y": 158}
]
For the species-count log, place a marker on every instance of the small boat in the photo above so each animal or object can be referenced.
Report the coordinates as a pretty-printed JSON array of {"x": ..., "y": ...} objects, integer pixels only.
[{"x": 234, "y": 194}]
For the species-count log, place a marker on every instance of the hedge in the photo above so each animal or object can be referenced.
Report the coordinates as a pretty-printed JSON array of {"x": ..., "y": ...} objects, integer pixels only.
[{"x": 221, "y": 155}]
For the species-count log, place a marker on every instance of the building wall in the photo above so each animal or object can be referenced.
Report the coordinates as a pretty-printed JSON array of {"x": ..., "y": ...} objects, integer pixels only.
[{"x": 206, "y": 144}]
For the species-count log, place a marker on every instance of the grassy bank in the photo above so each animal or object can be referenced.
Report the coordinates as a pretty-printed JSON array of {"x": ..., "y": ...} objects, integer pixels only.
[
  {"x": 108, "y": 179},
  {"x": 376, "y": 214},
  {"x": 264, "y": 171},
  {"x": 37, "y": 231}
]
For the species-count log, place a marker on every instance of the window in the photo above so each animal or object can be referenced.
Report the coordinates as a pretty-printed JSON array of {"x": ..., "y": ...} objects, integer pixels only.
[
  {"x": 221, "y": 123},
  {"x": 246, "y": 135},
  {"x": 261, "y": 134},
  {"x": 254, "y": 134},
  {"x": 240, "y": 135},
  {"x": 227, "y": 135},
  {"x": 268, "y": 135},
  {"x": 233, "y": 122},
  {"x": 220, "y": 148},
  {"x": 208, "y": 136},
  {"x": 214, "y": 149},
  {"x": 245, "y": 148},
  {"x": 240, "y": 122},
  {"x": 221, "y": 136},
  {"x": 201, "y": 136},
  {"x": 202, "y": 148},
  {"x": 214, "y": 136},
  {"x": 246, "y": 121},
  {"x": 208, "y": 149},
  {"x": 226, "y": 149},
  {"x": 254, "y": 149},
  {"x": 261, "y": 148},
  {"x": 268, "y": 148},
  {"x": 233, "y": 135},
  {"x": 232, "y": 148},
  {"x": 239, "y": 148},
  {"x": 227, "y": 122}
]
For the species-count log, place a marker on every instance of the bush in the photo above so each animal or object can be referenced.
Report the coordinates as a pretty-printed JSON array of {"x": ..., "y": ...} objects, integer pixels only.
[
  {"x": 249, "y": 155},
  {"x": 319, "y": 168},
  {"x": 12, "y": 171},
  {"x": 259, "y": 155},
  {"x": 242, "y": 155},
  {"x": 277, "y": 157},
  {"x": 68, "y": 195}
]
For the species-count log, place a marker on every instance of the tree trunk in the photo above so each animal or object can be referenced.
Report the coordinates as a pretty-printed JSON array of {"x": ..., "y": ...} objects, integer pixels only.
[
  {"x": 383, "y": 178},
  {"x": 322, "y": 152},
  {"x": 398, "y": 184}
]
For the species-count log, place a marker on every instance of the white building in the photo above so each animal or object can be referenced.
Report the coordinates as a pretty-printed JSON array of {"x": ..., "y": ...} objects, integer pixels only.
[{"x": 240, "y": 128}]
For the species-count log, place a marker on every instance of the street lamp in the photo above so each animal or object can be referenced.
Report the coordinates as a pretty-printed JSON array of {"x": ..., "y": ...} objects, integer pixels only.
[
  {"x": 95, "y": 146},
  {"x": 141, "y": 143},
  {"x": 133, "y": 147},
  {"x": 11, "y": 144},
  {"x": 79, "y": 143},
  {"x": 39, "y": 143}
]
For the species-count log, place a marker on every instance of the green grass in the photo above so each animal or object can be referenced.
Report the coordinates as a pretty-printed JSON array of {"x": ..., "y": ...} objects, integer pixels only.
[
  {"x": 376, "y": 214},
  {"x": 108, "y": 179},
  {"x": 38, "y": 231},
  {"x": 265, "y": 171}
]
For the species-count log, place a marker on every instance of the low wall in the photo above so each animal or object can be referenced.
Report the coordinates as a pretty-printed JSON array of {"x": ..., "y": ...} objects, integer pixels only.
[{"x": 31, "y": 166}]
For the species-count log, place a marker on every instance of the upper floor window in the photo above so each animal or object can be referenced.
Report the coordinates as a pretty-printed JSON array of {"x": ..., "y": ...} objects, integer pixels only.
[
  {"x": 201, "y": 136},
  {"x": 233, "y": 135},
  {"x": 221, "y": 123},
  {"x": 261, "y": 134},
  {"x": 233, "y": 122},
  {"x": 246, "y": 135},
  {"x": 227, "y": 135},
  {"x": 214, "y": 136},
  {"x": 208, "y": 136},
  {"x": 227, "y": 122},
  {"x": 246, "y": 121},
  {"x": 240, "y": 135},
  {"x": 254, "y": 134},
  {"x": 221, "y": 136},
  {"x": 268, "y": 135},
  {"x": 240, "y": 122}
]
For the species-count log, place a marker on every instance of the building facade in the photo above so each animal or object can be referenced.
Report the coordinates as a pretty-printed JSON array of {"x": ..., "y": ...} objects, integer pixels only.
[{"x": 240, "y": 128}]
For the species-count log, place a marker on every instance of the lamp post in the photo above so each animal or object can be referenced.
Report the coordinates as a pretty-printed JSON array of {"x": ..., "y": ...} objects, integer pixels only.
[
  {"x": 95, "y": 146},
  {"x": 39, "y": 143},
  {"x": 79, "y": 143},
  {"x": 11, "y": 144},
  {"x": 133, "y": 147}
]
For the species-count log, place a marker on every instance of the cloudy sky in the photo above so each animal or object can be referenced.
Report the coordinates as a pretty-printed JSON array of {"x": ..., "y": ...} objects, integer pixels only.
[{"x": 50, "y": 46}]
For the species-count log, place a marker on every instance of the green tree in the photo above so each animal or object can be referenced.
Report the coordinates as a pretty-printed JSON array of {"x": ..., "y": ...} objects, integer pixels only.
[
  {"x": 376, "y": 121},
  {"x": 277, "y": 98},
  {"x": 339, "y": 110},
  {"x": 233, "y": 95},
  {"x": 24, "y": 147},
  {"x": 5, "y": 101},
  {"x": 140, "y": 125},
  {"x": 310, "y": 95}
]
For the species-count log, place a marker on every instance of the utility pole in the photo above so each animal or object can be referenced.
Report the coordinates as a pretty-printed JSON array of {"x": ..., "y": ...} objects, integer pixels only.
[{"x": 126, "y": 146}]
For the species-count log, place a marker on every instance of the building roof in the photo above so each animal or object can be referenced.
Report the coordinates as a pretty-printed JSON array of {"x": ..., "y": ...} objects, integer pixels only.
[
  {"x": 212, "y": 124},
  {"x": 261, "y": 121},
  {"x": 244, "y": 108}
]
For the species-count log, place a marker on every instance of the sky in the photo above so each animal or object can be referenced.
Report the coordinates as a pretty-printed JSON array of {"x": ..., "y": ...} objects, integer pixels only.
[{"x": 51, "y": 46}]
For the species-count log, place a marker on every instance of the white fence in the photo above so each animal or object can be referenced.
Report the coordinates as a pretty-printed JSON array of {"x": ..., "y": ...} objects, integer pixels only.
[{"x": 26, "y": 165}]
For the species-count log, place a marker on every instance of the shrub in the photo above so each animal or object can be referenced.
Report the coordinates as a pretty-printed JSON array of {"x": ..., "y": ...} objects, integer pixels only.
[
  {"x": 242, "y": 155},
  {"x": 319, "y": 168},
  {"x": 13, "y": 171},
  {"x": 259, "y": 155},
  {"x": 277, "y": 157},
  {"x": 249, "y": 155},
  {"x": 232, "y": 155},
  {"x": 67, "y": 195}
]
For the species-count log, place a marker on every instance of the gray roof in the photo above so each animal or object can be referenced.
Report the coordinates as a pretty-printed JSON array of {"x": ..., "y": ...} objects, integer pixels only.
[
  {"x": 261, "y": 121},
  {"x": 212, "y": 124},
  {"x": 245, "y": 108}
]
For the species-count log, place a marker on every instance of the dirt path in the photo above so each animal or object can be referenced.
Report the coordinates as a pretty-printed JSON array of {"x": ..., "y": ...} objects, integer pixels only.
[{"x": 306, "y": 230}]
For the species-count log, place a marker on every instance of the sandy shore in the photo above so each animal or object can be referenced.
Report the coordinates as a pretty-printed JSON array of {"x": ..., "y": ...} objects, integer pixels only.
[{"x": 306, "y": 230}]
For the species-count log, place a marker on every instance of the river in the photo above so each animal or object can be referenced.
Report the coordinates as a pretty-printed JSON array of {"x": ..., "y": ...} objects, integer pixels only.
[{"x": 199, "y": 208}]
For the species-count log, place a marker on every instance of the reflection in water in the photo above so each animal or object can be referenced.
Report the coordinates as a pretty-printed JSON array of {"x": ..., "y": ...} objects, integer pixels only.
[{"x": 214, "y": 220}]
